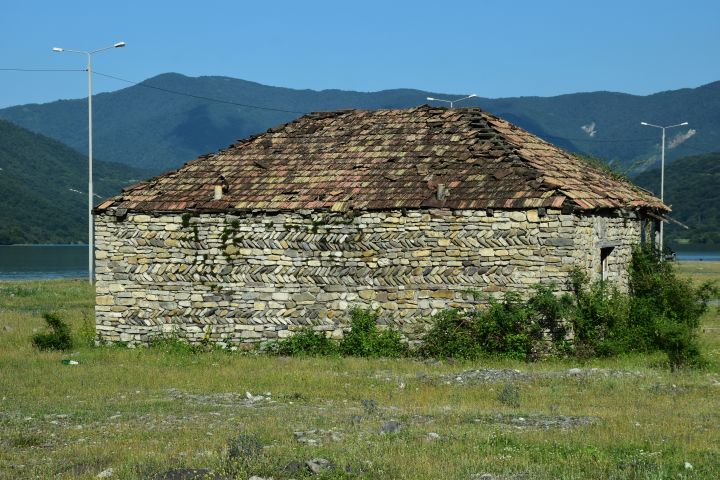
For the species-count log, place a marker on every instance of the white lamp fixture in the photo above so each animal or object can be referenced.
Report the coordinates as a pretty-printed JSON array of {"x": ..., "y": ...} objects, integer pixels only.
[{"x": 451, "y": 102}]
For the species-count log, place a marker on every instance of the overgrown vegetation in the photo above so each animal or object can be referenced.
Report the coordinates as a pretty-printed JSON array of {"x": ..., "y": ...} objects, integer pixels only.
[
  {"x": 58, "y": 338},
  {"x": 363, "y": 340},
  {"x": 509, "y": 327},
  {"x": 306, "y": 342},
  {"x": 673, "y": 304},
  {"x": 661, "y": 312}
]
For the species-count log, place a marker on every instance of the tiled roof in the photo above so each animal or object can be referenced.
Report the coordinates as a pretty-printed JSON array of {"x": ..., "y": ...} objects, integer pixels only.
[{"x": 387, "y": 159}]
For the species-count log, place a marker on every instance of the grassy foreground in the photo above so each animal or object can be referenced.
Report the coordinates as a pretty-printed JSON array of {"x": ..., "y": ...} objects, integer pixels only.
[{"x": 148, "y": 413}]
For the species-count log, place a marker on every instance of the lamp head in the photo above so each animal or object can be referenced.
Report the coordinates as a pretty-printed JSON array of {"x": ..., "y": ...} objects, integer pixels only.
[
  {"x": 429, "y": 98},
  {"x": 57, "y": 49},
  {"x": 119, "y": 45},
  {"x": 472, "y": 95},
  {"x": 684, "y": 123},
  {"x": 643, "y": 123}
]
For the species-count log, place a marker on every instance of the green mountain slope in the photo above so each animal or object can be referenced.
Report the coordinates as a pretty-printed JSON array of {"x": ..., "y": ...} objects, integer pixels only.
[
  {"x": 147, "y": 127},
  {"x": 692, "y": 188},
  {"x": 43, "y": 188}
]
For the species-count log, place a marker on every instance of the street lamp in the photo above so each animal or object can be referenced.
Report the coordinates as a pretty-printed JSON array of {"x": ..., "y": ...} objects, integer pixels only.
[
  {"x": 91, "y": 246},
  {"x": 662, "y": 168},
  {"x": 451, "y": 102}
]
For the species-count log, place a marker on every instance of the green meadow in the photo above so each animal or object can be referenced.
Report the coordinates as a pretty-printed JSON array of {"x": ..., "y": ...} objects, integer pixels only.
[{"x": 165, "y": 413}]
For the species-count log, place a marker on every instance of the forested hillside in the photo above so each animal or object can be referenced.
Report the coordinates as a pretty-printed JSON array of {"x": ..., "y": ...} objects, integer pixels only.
[
  {"x": 43, "y": 188},
  {"x": 692, "y": 188}
]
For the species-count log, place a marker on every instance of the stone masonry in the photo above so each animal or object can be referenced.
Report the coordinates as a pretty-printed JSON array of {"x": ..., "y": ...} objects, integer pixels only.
[{"x": 239, "y": 279}]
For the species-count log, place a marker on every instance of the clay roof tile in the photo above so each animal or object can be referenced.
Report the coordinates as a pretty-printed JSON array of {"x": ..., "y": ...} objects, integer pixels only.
[{"x": 386, "y": 159}]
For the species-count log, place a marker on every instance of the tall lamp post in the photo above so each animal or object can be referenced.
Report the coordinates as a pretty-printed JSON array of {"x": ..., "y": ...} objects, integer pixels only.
[
  {"x": 91, "y": 243},
  {"x": 451, "y": 102},
  {"x": 662, "y": 168}
]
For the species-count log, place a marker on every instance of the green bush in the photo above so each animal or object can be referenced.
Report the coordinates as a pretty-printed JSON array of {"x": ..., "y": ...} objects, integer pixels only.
[
  {"x": 306, "y": 342},
  {"x": 511, "y": 328},
  {"x": 660, "y": 312},
  {"x": 452, "y": 336},
  {"x": 599, "y": 318},
  {"x": 666, "y": 309},
  {"x": 58, "y": 338},
  {"x": 506, "y": 327},
  {"x": 365, "y": 340}
]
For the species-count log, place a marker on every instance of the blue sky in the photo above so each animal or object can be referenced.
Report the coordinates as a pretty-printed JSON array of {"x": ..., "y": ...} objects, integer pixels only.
[{"x": 492, "y": 48}]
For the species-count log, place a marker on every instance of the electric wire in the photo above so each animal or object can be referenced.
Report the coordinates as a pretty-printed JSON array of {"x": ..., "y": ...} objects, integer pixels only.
[
  {"x": 272, "y": 109},
  {"x": 199, "y": 97},
  {"x": 42, "y": 70}
]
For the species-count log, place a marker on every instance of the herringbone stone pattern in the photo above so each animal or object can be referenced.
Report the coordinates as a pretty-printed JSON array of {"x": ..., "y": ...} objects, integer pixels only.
[{"x": 241, "y": 279}]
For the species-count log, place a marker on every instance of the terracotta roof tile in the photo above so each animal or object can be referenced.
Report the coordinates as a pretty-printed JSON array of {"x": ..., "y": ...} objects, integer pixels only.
[{"x": 386, "y": 159}]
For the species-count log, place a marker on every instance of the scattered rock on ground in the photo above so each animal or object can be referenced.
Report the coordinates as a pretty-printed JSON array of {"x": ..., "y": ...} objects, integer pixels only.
[
  {"x": 293, "y": 468},
  {"x": 187, "y": 474},
  {"x": 433, "y": 436},
  {"x": 369, "y": 405},
  {"x": 105, "y": 473},
  {"x": 592, "y": 372},
  {"x": 537, "y": 421},
  {"x": 491, "y": 375},
  {"x": 484, "y": 375},
  {"x": 317, "y": 435},
  {"x": 318, "y": 465},
  {"x": 229, "y": 399},
  {"x": 390, "y": 427}
]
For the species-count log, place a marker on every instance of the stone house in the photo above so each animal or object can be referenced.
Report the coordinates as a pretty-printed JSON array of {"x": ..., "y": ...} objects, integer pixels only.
[{"x": 405, "y": 211}]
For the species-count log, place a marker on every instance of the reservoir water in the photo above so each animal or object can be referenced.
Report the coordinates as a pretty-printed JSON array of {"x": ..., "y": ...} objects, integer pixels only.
[{"x": 35, "y": 262}]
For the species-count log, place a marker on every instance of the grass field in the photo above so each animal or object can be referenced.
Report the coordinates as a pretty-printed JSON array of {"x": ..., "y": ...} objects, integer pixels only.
[{"x": 149, "y": 413}]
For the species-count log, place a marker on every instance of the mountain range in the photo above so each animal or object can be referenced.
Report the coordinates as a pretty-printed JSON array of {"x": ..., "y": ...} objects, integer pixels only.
[
  {"x": 150, "y": 127},
  {"x": 167, "y": 120}
]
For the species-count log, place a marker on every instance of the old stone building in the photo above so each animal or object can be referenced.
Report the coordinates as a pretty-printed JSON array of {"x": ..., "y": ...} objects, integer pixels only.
[{"x": 401, "y": 210}]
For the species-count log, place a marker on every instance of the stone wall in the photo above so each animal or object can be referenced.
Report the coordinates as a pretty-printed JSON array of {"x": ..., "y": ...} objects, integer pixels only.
[{"x": 241, "y": 279}]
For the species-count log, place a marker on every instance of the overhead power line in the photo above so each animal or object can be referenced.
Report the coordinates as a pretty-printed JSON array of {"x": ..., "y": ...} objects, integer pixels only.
[
  {"x": 282, "y": 110},
  {"x": 586, "y": 140},
  {"x": 41, "y": 70},
  {"x": 199, "y": 97}
]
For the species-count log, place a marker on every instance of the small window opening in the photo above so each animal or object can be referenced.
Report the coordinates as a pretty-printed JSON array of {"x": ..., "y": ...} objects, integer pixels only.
[{"x": 605, "y": 262}]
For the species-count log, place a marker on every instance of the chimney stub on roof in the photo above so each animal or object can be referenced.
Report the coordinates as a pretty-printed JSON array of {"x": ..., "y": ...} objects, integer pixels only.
[{"x": 441, "y": 191}]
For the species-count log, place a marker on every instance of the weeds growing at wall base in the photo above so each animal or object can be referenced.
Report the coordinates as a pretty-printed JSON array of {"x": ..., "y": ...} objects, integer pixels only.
[{"x": 661, "y": 312}]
